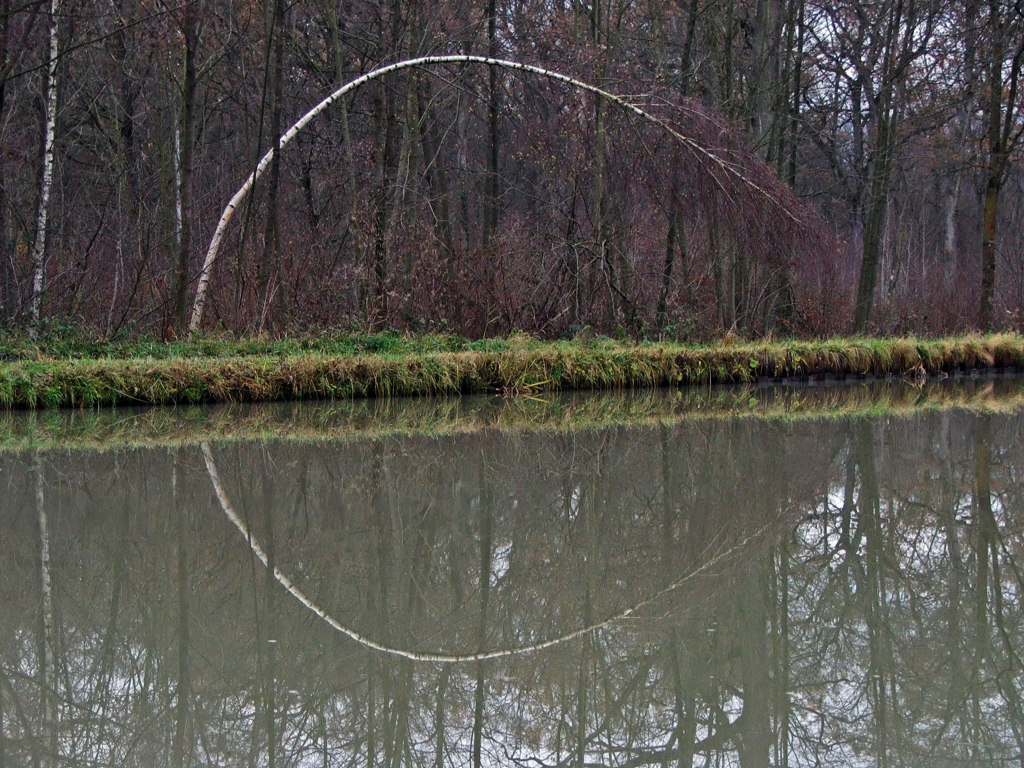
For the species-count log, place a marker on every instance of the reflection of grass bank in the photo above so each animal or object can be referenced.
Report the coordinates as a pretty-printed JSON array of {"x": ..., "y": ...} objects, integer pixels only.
[
  {"x": 56, "y": 374},
  {"x": 381, "y": 419}
]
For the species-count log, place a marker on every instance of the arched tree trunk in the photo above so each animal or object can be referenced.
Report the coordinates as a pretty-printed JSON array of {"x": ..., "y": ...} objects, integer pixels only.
[{"x": 763, "y": 195}]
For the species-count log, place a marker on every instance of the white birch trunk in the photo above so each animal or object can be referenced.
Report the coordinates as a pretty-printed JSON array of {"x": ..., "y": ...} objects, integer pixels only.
[
  {"x": 179, "y": 213},
  {"x": 39, "y": 247},
  {"x": 952, "y": 198}
]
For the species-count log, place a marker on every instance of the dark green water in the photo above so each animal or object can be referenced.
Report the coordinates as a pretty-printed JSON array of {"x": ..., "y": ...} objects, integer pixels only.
[{"x": 710, "y": 591}]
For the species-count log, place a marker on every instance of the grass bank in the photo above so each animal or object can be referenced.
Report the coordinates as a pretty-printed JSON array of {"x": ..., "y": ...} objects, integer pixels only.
[{"x": 64, "y": 374}]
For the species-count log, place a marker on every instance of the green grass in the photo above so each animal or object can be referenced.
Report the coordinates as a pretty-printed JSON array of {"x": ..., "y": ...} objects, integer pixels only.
[
  {"x": 53, "y": 372},
  {"x": 64, "y": 345}
]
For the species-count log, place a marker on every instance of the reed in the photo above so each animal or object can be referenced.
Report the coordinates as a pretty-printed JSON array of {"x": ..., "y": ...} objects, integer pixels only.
[{"x": 326, "y": 369}]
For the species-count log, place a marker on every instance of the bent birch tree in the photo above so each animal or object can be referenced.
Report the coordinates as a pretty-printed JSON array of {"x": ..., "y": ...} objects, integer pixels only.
[{"x": 722, "y": 164}]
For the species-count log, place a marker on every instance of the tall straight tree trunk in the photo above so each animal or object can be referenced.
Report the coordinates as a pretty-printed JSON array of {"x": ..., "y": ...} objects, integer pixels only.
[
  {"x": 783, "y": 301},
  {"x": 8, "y": 287},
  {"x": 375, "y": 298},
  {"x": 795, "y": 37},
  {"x": 270, "y": 265},
  {"x": 674, "y": 225},
  {"x": 491, "y": 194},
  {"x": 1001, "y": 136},
  {"x": 764, "y": 118},
  {"x": 437, "y": 179},
  {"x": 905, "y": 27},
  {"x": 675, "y": 238},
  {"x": 46, "y": 183},
  {"x": 874, "y": 226},
  {"x": 989, "y": 225},
  {"x": 994, "y": 167},
  {"x": 183, "y": 169},
  {"x": 490, "y": 224},
  {"x": 961, "y": 137},
  {"x": 351, "y": 185}
]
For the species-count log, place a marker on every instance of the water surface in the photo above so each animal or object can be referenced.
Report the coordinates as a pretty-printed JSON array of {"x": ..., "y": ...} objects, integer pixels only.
[{"x": 780, "y": 585}]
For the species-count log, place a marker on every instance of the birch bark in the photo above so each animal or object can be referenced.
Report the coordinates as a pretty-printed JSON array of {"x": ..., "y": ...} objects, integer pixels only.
[{"x": 46, "y": 184}]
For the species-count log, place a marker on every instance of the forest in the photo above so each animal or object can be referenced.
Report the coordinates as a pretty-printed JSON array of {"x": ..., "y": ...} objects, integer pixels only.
[{"x": 754, "y": 167}]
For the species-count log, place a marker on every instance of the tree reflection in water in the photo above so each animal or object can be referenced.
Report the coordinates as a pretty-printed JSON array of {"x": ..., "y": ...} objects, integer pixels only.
[{"x": 717, "y": 592}]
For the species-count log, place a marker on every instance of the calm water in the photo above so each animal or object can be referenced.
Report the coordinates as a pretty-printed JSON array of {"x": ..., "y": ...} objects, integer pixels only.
[{"x": 701, "y": 591}]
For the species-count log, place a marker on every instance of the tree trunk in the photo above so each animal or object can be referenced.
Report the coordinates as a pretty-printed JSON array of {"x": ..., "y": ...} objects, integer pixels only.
[
  {"x": 675, "y": 234},
  {"x": 46, "y": 183},
  {"x": 183, "y": 170},
  {"x": 989, "y": 223},
  {"x": 437, "y": 179},
  {"x": 268, "y": 284},
  {"x": 8, "y": 286},
  {"x": 1002, "y": 135},
  {"x": 874, "y": 226},
  {"x": 375, "y": 294},
  {"x": 351, "y": 185}
]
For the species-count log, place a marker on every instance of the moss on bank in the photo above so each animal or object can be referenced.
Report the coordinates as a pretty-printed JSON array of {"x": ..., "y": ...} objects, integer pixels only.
[{"x": 387, "y": 365}]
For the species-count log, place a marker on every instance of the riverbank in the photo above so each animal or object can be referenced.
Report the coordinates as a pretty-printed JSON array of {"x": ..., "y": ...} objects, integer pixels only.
[{"x": 59, "y": 374}]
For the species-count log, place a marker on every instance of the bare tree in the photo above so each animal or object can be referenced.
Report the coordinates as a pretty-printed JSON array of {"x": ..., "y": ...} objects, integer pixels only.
[{"x": 886, "y": 47}]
